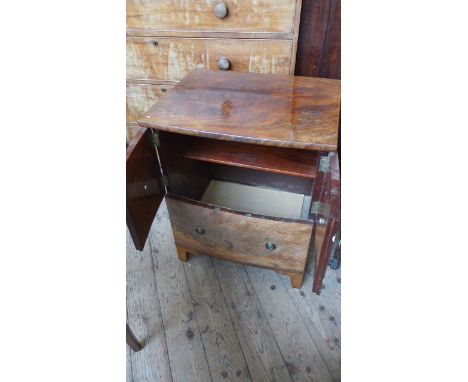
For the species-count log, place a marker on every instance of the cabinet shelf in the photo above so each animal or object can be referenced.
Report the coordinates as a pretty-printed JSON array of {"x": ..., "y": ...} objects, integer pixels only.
[{"x": 302, "y": 163}]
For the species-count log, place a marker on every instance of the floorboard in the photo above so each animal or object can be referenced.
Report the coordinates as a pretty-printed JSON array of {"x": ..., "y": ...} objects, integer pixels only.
[
  {"x": 144, "y": 317},
  {"x": 225, "y": 357},
  {"x": 303, "y": 358},
  {"x": 263, "y": 356},
  {"x": 187, "y": 357},
  {"x": 211, "y": 320}
]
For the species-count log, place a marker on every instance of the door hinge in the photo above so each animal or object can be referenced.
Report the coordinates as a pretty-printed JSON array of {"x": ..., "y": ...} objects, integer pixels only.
[
  {"x": 319, "y": 208},
  {"x": 165, "y": 180},
  {"x": 155, "y": 136},
  {"x": 324, "y": 165}
]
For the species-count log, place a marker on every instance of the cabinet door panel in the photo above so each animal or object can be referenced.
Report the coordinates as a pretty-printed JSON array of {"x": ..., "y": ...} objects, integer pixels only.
[{"x": 145, "y": 191}]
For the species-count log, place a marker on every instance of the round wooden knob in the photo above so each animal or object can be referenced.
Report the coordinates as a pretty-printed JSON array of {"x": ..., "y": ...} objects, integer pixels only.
[
  {"x": 220, "y": 10},
  {"x": 224, "y": 63}
]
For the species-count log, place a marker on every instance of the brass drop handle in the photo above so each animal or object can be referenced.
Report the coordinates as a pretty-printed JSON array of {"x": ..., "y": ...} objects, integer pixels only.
[
  {"x": 224, "y": 64},
  {"x": 220, "y": 10}
]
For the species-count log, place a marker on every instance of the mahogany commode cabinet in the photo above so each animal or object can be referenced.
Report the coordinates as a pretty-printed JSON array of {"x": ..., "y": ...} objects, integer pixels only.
[{"x": 248, "y": 166}]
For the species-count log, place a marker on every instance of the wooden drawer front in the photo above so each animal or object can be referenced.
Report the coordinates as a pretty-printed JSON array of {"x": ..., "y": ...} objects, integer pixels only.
[
  {"x": 239, "y": 238},
  {"x": 199, "y": 15},
  {"x": 173, "y": 58},
  {"x": 140, "y": 97}
]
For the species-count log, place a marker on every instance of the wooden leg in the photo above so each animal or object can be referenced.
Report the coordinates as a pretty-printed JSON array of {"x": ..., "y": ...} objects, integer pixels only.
[
  {"x": 182, "y": 253},
  {"x": 132, "y": 341},
  {"x": 296, "y": 279},
  {"x": 323, "y": 245}
]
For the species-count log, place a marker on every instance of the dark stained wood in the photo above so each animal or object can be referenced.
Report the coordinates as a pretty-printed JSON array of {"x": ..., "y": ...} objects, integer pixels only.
[
  {"x": 323, "y": 252},
  {"x": 241, "y": 238},
  {"x": 329, "y": 190},
  {"x": 294, "y": 162},
  {"x": 319, "y": 42},
  {"x": 187, "y": 177},
  {"x": 264, "y": 109},
  {"x": 144, "y": 189},
  {"x": 312, "y": 33},
  {"x": 335, "y": 193},
  {"x": 330, "y": 67},
  {"x": 132, "y": 341}
]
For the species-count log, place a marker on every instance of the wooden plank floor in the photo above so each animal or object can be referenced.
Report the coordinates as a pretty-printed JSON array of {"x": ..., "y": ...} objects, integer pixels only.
[{"x": 211, "y": 320}]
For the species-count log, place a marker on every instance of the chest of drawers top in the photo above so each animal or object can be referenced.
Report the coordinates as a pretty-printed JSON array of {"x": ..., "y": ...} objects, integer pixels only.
[{"x": 239, "y": 16}]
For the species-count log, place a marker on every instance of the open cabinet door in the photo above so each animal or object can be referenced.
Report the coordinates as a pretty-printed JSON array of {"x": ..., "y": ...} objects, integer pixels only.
[
  {"x": 145, "y": 190},
  {"x": 326, "y": 205}
]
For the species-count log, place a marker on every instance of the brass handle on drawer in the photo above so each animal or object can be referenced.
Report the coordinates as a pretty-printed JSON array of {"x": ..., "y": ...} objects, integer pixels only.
[
  {"x": 200, "y": 230},
  {"x": 224, "y": 64},
  {"x": 220, "y": 10},
  {"x": 270, "y": 246}
]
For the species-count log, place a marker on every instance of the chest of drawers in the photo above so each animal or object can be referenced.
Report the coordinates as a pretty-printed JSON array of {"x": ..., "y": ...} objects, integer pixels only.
[
  {"x": 167, "y": 39},
  {"x": 248, "y": 167}
]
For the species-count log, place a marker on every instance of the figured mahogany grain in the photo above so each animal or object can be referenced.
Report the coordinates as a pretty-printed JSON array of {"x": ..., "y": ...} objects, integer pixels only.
[
  {"x": 239, "y": 238},
  {"x": 272, "y": 159},
  {"x": 273, "y": 110}
]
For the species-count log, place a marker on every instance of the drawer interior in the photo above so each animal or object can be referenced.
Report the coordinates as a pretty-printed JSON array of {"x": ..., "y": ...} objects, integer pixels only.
[
  {"x": 257, "y": 200},
  {"x": 253, "y": 179}
]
